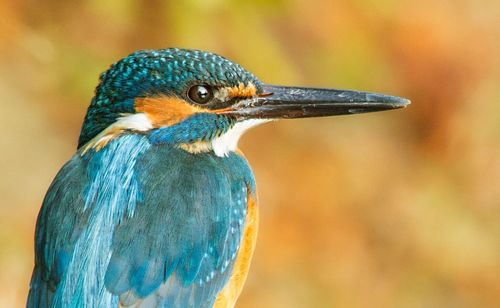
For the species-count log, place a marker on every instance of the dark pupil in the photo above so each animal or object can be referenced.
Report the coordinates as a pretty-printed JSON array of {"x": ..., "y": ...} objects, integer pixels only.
[{"x": 200, "y": 94}]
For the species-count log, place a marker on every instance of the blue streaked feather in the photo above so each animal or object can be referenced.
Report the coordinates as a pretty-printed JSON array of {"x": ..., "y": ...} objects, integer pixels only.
[{"x": 139, "y": 221}]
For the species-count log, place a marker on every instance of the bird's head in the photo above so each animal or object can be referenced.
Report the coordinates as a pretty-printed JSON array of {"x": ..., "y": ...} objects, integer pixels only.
[{"x": 201, "y": 101}]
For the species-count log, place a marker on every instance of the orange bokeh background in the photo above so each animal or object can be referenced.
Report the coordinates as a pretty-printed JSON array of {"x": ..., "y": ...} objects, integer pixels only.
[{"x": 395, "y": 209}]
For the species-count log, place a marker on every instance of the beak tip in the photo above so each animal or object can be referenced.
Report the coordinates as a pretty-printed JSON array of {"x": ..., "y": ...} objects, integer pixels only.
[
  {"x": 405, "y": 102},
  {"x": 399, "y": 102}
]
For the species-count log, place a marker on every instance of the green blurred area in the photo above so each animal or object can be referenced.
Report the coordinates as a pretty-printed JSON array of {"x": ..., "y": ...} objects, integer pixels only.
[{"x": 396, "y": 209}]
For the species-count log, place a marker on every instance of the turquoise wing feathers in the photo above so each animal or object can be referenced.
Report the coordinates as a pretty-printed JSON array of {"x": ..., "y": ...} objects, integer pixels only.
[{"x": 140, "y": 223}]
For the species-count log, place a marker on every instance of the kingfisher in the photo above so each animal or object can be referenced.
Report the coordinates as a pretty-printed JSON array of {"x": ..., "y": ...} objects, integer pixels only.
[{"x": 158, "y": 206}]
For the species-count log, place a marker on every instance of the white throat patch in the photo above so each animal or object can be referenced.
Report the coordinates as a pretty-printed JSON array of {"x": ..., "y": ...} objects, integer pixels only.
[{"x": 228, "y": 142}]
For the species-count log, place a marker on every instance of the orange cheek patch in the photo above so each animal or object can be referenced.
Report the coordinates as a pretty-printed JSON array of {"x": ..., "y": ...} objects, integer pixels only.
[
  {"x": 166, "y": 111},
  {"x": 242, "y": 91}
]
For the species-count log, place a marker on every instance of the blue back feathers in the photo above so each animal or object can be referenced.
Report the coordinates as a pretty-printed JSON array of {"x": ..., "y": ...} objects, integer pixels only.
[{"x": 139, "y": 221}]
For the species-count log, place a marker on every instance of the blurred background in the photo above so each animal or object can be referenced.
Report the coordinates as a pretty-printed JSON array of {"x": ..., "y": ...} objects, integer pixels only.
[{"x": 395, "y": 209}]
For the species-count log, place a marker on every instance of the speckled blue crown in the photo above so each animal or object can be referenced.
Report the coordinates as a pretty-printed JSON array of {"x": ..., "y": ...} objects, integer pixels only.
[{"x": 153, "y": 72}]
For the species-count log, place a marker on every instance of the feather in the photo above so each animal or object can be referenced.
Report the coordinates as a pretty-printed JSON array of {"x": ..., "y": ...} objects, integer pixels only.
[{"x": 140, "y": 224}]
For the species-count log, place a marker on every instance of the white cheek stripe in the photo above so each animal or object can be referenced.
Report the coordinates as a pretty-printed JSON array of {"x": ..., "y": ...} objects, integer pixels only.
[{"x": 136, "y": 121}]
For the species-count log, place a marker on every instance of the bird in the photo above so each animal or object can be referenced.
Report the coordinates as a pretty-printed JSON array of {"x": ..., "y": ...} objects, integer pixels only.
[{"x": 158, "y": 206}]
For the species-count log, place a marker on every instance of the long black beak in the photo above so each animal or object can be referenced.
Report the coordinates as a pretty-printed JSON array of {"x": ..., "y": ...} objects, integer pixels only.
[{"x": 277, "y": 102}]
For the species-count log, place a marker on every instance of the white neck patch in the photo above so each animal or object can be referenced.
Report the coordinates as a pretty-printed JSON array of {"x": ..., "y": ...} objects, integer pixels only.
[
  {"x": 136, "y": 121},
  {"x": 228, "y": 142}
]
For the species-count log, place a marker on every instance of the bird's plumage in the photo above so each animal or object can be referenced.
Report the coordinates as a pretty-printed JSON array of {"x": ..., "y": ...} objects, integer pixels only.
[{"x": 172, "y": 235}]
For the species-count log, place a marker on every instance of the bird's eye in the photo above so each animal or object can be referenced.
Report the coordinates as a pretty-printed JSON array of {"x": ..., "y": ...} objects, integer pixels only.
[{"x": 200, "y": 94}]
